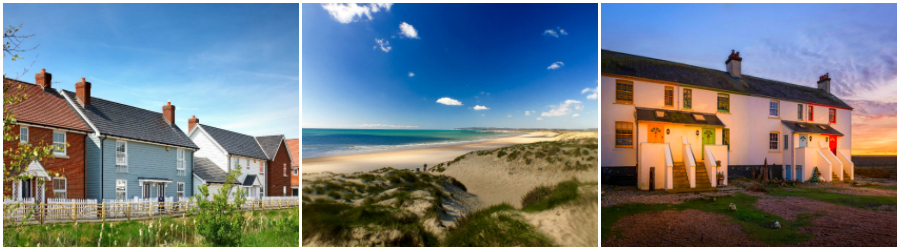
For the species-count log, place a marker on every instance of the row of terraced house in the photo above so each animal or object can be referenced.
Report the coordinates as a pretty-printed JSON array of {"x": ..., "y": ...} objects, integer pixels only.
[{"x": 106, "y": 150}]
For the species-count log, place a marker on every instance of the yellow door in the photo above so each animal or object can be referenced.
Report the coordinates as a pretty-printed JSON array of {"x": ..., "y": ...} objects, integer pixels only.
[{"x": 655, "y": 133}]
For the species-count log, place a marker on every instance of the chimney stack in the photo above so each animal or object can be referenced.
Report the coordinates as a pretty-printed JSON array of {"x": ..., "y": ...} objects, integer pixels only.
[
  {"x": 83, "y": 92},
  {"x": 43, "y": 79},
  {"x": 169, "y": 113},
  {"x": 825, "y": 83},
  {"x": 733, "y": 64},
  {"x": 192, "y": 123}
]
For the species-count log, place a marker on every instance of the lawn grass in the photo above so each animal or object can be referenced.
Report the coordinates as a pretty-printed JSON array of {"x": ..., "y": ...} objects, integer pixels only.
[
  {"x": 491, "y": 227},
  {"x": 891, "y": 187},
  {"x": 273, "y": 228},
  {"x": 857, "y": 201}
]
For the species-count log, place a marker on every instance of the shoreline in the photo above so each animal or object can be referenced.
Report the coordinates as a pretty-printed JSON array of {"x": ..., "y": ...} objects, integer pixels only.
[
  {"x": 412, "y": 158},
  {"x": 416, "y": 146}
]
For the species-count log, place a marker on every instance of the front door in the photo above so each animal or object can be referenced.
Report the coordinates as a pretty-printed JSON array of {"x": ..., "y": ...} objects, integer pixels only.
[
  {"x": 803, "y": 140},
  {"x": 709, "y": 137},
  {"x": 146, "y": 190},
  {"x": 832, "y": 143},
  {"x": 655, "y": 133},
  {"x": 26, "y": 189},
  {"x": 161, "y": 192}
]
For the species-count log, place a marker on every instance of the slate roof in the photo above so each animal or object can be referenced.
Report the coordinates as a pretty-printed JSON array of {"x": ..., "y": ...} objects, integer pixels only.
[
  {"x": 116, "y": 119},
  {"x": 810, "y": 128},
  {"x": 294, "y": 147},
  {"x": 270, "y": 144},
  {"x": 235, "y": 143},
  {"x": 44, "y": 107},
  {"x": 248, "y": 181},
  {"x": 673, "y": 116},
  {"x": 209, "y": 171},
  {"x": 618, "y": 63}
]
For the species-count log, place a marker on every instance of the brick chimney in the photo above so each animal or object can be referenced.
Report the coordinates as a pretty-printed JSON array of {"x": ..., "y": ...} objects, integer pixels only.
[
  {"x": 192, "y": 123},
  {"x": 169, "y": 113},
  {"x": 83, "y": 92},
  {"x": 43, "y": 79},
  {"x": 825, "y": 83},
  {"x": 733, "y": 64}
]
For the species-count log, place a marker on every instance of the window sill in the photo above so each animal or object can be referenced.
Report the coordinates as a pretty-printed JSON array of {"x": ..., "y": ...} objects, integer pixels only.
[
  {"x": 775, "y": 117},
  {"x": 624, "y": 103},
  {"x": 723, "y": 112},
  {"x": 623, "y": 148},
  {"x": 60, "y": 156},
  {"x": 774, "y": 151}
]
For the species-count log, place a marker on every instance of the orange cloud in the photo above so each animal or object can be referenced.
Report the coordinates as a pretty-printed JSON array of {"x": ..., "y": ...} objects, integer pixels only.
[{"x": 874, "y": 135}]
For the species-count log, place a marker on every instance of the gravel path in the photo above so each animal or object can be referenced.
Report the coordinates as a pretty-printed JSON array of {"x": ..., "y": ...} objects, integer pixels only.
[
  {"x": 679, "y": 229},
  {"x": 837, "y": 225}
]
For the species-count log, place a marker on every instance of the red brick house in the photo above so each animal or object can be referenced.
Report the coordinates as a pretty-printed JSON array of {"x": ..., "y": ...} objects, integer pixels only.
[
  {"x": 278, "y": 180},
  {"x": 294, "y": 147},
  {"x": 44, "y": 117}
]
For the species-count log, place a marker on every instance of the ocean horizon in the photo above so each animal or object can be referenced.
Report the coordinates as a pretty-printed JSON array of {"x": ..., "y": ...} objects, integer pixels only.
[{"x": 319, "y": 142}]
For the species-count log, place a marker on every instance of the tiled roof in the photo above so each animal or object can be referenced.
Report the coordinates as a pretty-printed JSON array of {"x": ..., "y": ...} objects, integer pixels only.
[
  {"x": 270, "y": 144},
  {"x": 116, "y": 119},
  {"x": 209, "y": 171},
  {"x": 673, "y": 116},
  {"x": 249, "y": 180},
  {"x": 803, "y": 127},
  {"x": 235, "y": 143},
  {"x": 294, "y": 147},
  {"x": 644, "y": 67},
  {"x": 44, "y": 107}
]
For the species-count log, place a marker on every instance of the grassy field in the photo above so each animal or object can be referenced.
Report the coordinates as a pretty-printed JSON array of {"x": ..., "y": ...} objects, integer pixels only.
[
  {"x": 273, "y": 228},
  {"x": 858, "y": 201}
]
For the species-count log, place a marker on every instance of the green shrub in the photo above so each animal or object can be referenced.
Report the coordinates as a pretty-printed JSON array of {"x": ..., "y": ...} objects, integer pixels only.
[
  {"x": 512, "y": 156},
  {"x": 494, "y": 227},
  {"x": 368, "y": 177},
  {"x": 543, "y": 197},
  {"x": 501, "y": 153},
  {"x": 219, "y": 221}
]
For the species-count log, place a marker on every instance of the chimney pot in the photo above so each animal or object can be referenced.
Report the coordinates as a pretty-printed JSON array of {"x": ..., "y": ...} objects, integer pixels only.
[
  {"x": 43, "y": 79},
  {"x": 169, "y": 113},
  {"x": 733, "y": 64},
  {"x": 824, "y": 83},
  {"x": 192, "y": 123},
  {"x": 83, "y": 92}
]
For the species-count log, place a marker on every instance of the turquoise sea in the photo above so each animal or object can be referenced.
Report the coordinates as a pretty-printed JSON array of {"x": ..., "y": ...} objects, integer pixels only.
[{"x": 327, "y": 142}]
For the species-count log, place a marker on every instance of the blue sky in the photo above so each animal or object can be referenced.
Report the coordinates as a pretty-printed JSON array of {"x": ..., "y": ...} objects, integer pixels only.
[
  {"x": 387, "y": 66},
  {"x": 796, "y": 43},
  {"x": 234, "y": 66}
]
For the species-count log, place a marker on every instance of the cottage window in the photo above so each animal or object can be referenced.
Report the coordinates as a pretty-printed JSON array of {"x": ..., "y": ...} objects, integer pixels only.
[
  {"x": 59, "y": 143},
  {"x": 624, "y": 134},
  {"x": 237, "y": 165},
  {"x": 121, "y": 156},
  {"x": 179, "y": 190},
  {"x": 786, "y": 142},
  {"x": 832, "y": 115},
  {"x": 687, "y": 98},
  {"x": 624, "y": 91},
  {"x": 283, "y": 191},
  {"x": 726, "y": 138},
  {"x": 23, "y": 134},
  {"x": 773, "y": 108},
  {"x": 670, "y": 96},
  {"x": 260, "y": 167},
  {"x": 121, "y": 189},
  {"x": 723, "y": 103},
  {"x": 284, "y": 169},
  {"x": 59, "y": 187},
  {"x": 773, "y": 141},
  {"x": 180, "y": 166},
  {"x": 810, "y": 107},
  {"x": 800, "y": 112}
]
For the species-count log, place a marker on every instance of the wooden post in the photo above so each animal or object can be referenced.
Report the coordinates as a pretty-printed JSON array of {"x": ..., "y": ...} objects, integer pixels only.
[
  {"x": 127, "y": 211},
  {"x": 102, "y": 213},
  {"x": 73, "y": 212},
  {"x": 150, "y": 210}
]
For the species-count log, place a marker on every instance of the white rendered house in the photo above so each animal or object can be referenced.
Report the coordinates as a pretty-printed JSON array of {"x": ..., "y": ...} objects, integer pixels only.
[
  {"x": 228, "y": 151},
  {"x": 686, "y": 124}
]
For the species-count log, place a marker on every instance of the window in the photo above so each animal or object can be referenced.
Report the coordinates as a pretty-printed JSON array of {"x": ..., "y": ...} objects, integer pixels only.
[
  {"x": 23, "y": 134},
  {"x": 59, "y": 187},
  {"x": 180, "y": 166},
  {"x": 284, "y": 168},
  {"x": 670, "y": 96},
  {"x": 121, "y": 157},
  {"x": 624, "y": 92},
  {"x": 773, "y": 141},
  {"x": 237, "y": 164},
  {"x": 786, "y": 140},
  {"x": 284, "y": 191},
  {"x": 723, "y": 104},
  {"x": 687, "y": 99},
  {"x": 800, "y": 112},
  {"x": 179, "y": 190},
  {"x": 624, "y": 134},
  {"x": 832, "y": 115},
  {"x": 699, "y": 117},
  {"x": 260, "y": 167},
  {"x": 121, "y": 189},
  {"x": 59, "y": 143},
  {"x": 296, "y": 172},
  {"x": 810, "y": 107},
  {"x": 773, "y": 108},
  {"x": 726, "y": 138}
]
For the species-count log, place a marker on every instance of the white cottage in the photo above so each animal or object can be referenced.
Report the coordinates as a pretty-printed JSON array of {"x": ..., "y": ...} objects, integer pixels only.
[
  {"x": 228, "y": 151},
  {"x": 675, "y": 126}
]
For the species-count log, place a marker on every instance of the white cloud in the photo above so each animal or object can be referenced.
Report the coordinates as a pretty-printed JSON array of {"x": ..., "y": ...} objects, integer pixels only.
[
  {"x": 539, "y": 119},
  {"x": 411, "y": 74},
  {"x": 555, "y": 33},
  {"x": 384, "y": 44},
  {"x": 448, "y": 101},
  {"x": 564, "y": 108},
  {"x": 563, "y": 32},
  {"x": 551, "y": 33},
  {"x": 408, "y": 31},
  {"x": 527, "y": 113},
  {"x": 347, "y": 13},
  {"x": 555, "y": 65},
  {"x": 479, "y": 107},
  {"x": 385, "y": 126},
  {"x": 593, "y": 95},
  {"x": 510, "y": 116},
  {"x": 575, "y": 115}
]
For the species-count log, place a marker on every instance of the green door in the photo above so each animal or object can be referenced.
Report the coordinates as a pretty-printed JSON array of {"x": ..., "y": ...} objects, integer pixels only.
[{"x": 709, "y": 137}]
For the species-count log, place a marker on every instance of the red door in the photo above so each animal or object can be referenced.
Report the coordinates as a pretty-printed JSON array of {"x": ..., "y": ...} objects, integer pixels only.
[{"x": 832, "y": 143}]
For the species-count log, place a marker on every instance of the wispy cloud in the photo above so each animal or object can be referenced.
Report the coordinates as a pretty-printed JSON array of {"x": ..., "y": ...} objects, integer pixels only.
[
  {"x": 449, "y": 101},
  {"x": 509, "y": 116},
  {"x": 384, "y": 126},
  {"x": 482, "y": 115},
  {"x": 411, "y": 74},
  {"x": 407, "y": 30},
  {"x": 539, "y": 118},
  {"x": 347, "y": 13},
  {"x": 555, "y": 65},
  {"x": 563, "y": 109},
  {"x": 575, "y": 115},
  {"x": 527, "y": 113},
  {"x": 593, "y": 93},
  {"x": 384, "y": 44},
  {"x": 555, "y": 33},
  {"x": 479, "y": 107}
]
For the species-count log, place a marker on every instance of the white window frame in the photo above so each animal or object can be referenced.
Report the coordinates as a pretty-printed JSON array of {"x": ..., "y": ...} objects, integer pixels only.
[
  {"x": 63, "y": 191},
  {"x": 63, "y": 143},
  {"x": 775, "y": 137},
  {"x": 122, "y": 167},
  {"x": 283, "y": 190},
  {"x": 124, "y": 192},
  {"x": 237, "y": 163},
  {"x": 800, "y": 112},
  {"x": 775, "y": 109},
  {"x": 285, "y": 169},
  {"x": 177, "y": 186},
  {"x": 179, "y": 154},
  {"x": 23, "y": 139}
]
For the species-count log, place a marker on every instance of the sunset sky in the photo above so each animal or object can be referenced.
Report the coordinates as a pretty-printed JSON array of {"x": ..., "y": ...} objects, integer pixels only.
[{"x": 855, "y": 43}]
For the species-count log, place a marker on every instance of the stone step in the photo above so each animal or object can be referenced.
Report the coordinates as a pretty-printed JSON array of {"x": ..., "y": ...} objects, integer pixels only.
[{"x": 691, "y": 190}]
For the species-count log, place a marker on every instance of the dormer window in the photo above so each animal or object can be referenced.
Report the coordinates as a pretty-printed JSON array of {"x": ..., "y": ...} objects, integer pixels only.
[
  {"x": 699, "y": 117},
  {"x": 822, "y": 127},
  {"x": 660, "y": 114}
]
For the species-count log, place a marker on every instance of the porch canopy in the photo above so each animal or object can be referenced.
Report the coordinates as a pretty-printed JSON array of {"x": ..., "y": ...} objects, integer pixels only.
[
  {"x": 680, "y": 117},
  {"x": 36, "y": 169},
  {"x": 813, "y": 128}
]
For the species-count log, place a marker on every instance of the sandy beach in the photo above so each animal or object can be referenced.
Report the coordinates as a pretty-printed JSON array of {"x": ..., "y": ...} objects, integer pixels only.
[{"x": 412, "y": 158}]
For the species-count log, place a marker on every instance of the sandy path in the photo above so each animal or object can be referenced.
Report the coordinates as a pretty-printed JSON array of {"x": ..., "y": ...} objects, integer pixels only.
[
  {"x": 413, "y": 158},
  {"x": 838, "y": 225}
]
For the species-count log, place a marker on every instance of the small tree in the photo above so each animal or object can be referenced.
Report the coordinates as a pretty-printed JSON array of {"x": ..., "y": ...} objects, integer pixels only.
[{"x": 217, "y": 220}]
